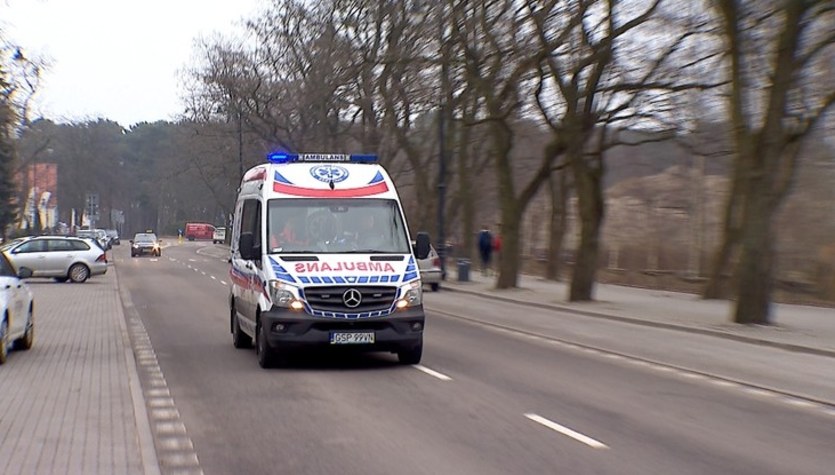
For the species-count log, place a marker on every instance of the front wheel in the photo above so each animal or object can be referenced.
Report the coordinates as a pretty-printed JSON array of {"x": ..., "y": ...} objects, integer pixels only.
[
  {"x": 266, "y": 355},
  {"x": 409, "y": 356},
  {"x": 28, "y": 339},
  {"x": 79, "y": 273},
  {"x": 239, "y": 338},
  {"x": 4, "y": 340}
]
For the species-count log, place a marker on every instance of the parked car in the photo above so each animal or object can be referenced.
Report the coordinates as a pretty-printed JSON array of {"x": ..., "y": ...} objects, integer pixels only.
[
  {"x": 60, "y": 257},
  {"x": 17, "y": 323},
  {"x": 430, "y": 270},
  {"x": 145, "y": 243},
  {"x": 113, "y": 235},
  {"x": 100, "y": 238},
  {"x": 219, "y": 235}
]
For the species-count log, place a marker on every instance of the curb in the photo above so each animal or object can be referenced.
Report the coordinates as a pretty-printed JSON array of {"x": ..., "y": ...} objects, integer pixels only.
[
  {"x": 648, "y": 323},
  {"x": 145, "y": 437}
]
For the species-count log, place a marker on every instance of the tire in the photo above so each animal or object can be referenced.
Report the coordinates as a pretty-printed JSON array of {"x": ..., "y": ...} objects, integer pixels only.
[
  {"x": 28, "y": 339},
  {"x": 410, "y": 356},
  {"x": 266, "y": 355},
  {"x": 4, "y": 340},
  {"x": 435, "y": 286},
  {"x": 60, "y": 279},
  {"x": 79, "y": 273},
  {"x": 240, "y": 339}
]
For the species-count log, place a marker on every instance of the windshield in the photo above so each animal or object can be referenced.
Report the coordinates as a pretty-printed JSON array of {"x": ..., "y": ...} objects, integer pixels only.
[
  {"x": 145, "y": 238},
  {"x": 335, "y": 226},
  {"x": 10, "y": 244}
]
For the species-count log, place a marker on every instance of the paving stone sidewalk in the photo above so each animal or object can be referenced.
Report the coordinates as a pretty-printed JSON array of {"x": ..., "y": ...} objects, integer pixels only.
[{"x": 67, "y": 405}]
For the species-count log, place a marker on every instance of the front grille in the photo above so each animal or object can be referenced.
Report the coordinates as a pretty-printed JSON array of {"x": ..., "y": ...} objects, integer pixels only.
[{"x": 329, "y": 299}]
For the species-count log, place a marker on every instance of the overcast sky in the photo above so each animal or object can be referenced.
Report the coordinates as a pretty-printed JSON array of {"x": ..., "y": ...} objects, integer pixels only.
[{"x": 117, "y": 59}]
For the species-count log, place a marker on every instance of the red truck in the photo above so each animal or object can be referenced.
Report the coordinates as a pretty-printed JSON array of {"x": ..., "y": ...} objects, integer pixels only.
[{"x": 199, "y": 231}]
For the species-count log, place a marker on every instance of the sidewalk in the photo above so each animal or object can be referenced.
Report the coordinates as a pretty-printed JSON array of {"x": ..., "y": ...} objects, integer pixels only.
[
  {"x": 69, "y": 405},
  {"x": 797, "y": 328}
]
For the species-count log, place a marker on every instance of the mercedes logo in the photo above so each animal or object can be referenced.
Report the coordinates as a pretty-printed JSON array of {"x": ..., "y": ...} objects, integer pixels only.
[{"x": 352, "y": 298}]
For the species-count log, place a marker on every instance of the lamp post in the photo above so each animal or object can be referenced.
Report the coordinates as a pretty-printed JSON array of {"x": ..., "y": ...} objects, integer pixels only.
[
  {"x": 442, "y": 116},
  {"x": 240, "y": 146}
]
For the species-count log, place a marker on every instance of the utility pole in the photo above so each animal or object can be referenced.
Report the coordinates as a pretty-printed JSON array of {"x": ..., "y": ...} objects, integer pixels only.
[
  {"x": 442, "y": 123},
  {"x": 240, "y": 145}
]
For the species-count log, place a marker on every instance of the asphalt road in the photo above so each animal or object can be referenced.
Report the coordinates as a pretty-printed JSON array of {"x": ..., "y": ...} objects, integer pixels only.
[{"x": 483, "y": 401}]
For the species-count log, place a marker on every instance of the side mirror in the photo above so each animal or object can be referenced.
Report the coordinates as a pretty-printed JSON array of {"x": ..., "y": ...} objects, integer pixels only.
[
  {"x": 422, "y": 246},
  {"x": 24, "y": 273},
  {"x": 131, "y": 241},
  {"x": 159, "y": 241},
  {"x": 246, "y": 246}
]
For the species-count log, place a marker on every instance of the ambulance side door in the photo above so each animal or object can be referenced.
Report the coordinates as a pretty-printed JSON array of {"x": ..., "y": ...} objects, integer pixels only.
[{"x": 247, "y": 272}]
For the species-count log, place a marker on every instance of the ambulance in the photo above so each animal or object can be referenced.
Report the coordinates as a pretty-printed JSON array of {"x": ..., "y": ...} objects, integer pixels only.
[{"x": 321, "y": 257}]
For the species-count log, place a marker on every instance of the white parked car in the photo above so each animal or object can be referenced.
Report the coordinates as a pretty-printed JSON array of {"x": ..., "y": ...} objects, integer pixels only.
[
  {"x": 59, "y": 257},
  {"x": 17, "y": 324}
]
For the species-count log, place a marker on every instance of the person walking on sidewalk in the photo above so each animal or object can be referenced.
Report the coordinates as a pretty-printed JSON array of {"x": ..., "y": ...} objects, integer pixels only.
[{"x": 485, "y": 249}]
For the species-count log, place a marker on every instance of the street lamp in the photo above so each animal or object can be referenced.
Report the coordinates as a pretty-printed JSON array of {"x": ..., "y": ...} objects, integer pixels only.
[{"x": 441, "y": 248}]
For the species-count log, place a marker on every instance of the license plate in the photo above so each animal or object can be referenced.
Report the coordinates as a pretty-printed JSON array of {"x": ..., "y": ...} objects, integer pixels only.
[{"x": 351, "y": 338}]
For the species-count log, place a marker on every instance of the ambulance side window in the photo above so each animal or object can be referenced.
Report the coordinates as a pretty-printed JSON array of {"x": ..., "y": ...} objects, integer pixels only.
[{"x": 251, "y": 220}]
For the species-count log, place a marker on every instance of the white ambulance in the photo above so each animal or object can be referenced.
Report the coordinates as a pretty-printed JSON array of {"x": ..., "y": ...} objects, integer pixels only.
[{"x": 322, "y": 257}]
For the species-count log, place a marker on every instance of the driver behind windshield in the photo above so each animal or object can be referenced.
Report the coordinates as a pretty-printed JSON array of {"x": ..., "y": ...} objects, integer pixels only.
[{"x": 288, "y": 233}]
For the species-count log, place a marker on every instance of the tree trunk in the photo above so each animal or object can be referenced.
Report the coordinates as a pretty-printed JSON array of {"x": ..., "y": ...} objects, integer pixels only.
[
  {"x": 716, "y": 287},
  {"x": 508, "y": 258},
  {"x": 557, "y": 224},
  {"x": 590, "y": 204},
  {"x": 755, "y": 269}
]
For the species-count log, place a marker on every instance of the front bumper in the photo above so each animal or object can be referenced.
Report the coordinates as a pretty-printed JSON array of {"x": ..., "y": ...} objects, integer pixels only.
[
  {"x": 394, "y": 332},
  {"x": 143, "y": 250}
]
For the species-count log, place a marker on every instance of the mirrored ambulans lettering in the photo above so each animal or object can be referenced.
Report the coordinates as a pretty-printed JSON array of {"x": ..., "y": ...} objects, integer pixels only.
[{"x": 302, "y": 267}]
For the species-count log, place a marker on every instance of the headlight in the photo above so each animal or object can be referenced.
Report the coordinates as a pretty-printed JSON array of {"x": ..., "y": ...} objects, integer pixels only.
[
  {"x": 284, "y": 295},
  {"x": 413, "y": 295}
]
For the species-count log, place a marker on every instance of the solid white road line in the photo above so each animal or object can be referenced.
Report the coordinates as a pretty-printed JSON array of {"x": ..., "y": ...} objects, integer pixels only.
[
  {"x": 432, "y": 372},
  {"x": 567, "y": 432}
]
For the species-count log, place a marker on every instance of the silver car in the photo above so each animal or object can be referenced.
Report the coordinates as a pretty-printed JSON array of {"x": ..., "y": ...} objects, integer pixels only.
[
  {"x": 59, "y": 257},
  {"x": 430, "y": 270}
]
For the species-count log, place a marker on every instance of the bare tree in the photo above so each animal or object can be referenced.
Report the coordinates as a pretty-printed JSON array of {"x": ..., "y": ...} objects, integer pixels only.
[
  {"x": 607, "y": 69},
  {"x": 775, "y": 50}
]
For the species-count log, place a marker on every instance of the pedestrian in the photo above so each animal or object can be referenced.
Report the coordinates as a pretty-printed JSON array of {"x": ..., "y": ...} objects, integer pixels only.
[
  {"x": 497, "y": 245},
  {"x": 485, "y": 249}
]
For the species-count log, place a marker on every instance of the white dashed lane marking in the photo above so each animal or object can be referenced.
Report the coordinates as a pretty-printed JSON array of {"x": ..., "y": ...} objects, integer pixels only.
[
  {"x": 596, "y": 444},
  {"x": 432, "y": 372}
]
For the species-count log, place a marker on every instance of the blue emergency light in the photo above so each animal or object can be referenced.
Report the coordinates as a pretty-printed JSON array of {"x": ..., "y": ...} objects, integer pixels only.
[{"x": 284, "y": 157}]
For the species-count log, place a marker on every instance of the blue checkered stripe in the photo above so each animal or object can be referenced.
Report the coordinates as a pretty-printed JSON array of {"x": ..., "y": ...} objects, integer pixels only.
[
  {"x": 411, "y": 271},
  {"x": 350, "y": 279},
  {"x": 281, "y": 273}
]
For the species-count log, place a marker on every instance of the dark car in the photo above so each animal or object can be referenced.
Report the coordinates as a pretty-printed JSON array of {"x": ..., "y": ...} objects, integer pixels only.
[{"x": 145, "y": 243}]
